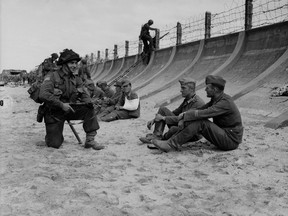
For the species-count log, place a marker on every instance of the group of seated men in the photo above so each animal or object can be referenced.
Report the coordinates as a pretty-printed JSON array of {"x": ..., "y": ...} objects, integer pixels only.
[
  {"x": 189, "y": 122},
  {"x": 109, "y": 104}
]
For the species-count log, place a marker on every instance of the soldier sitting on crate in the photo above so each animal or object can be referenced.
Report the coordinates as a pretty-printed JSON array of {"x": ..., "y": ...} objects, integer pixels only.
[
  {"x": 128, "y": 105},
  {"x": 108, "y": 104},
  {"x": 66, "y": 106}
]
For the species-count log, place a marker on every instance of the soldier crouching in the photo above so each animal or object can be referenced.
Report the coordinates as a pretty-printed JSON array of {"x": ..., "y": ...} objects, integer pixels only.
[{"x": 64, "y": 106}]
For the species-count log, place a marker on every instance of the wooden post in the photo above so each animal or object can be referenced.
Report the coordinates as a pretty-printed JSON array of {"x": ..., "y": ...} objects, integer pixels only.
[
  {"x": 115, "y": 51},
  {"x": 140, "y": 47},
  {"x": 179, "y": 34},
  {"x": 248, "y": 14},
  {"x": 126, "y": 48},
  {"x": 106, "y": 54},
  {"x": 98, "y": 56},
  {"x": 157, "y": 37},
  {"x": 207, "y": 25}
]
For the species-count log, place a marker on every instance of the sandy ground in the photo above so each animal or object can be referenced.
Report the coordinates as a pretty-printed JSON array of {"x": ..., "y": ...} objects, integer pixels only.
[{"x": 127, "y": 178}]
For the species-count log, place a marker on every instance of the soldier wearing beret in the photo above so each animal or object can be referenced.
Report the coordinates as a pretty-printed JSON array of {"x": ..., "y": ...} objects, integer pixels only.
[
  {"x": 109, "y": 103},
  {"x": 63, "y": 106},
  {"x": 170, "y": 118},
  {"x": 128, "y": 105},
  {"x": 225, "y": 131}
]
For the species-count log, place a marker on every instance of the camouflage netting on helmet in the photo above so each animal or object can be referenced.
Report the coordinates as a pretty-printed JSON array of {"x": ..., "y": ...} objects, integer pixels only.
[{"x": 68, "y": 55}]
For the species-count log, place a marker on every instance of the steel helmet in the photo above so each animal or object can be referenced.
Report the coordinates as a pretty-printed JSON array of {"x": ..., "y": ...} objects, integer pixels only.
[{"x": 68, "y": 55}]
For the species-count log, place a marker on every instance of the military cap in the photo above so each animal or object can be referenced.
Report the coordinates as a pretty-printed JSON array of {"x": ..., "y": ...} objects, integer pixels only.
[
  {"x": 185, "y": 81},
  {"x": 215, "y": 80},
  {"x": 118, "y": 83},
  {"x": 126, "y": 82}
]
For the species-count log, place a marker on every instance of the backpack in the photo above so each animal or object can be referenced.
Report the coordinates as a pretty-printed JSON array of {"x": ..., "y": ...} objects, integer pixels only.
[{"x": 34, "y": 90}]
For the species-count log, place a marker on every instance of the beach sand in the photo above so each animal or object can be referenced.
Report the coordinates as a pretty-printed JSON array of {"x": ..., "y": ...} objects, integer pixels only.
[{"x": 127, "y": 178}]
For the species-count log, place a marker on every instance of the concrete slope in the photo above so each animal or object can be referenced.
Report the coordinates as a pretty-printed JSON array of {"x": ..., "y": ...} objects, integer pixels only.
[
  {"x": 116, "y": 66},
  {"x": 140, "y": 69},
  {"x": 92, "y": 68},
  {"x": 100, "y": 67},
  {"x": 128, "y": 61},
  {"x": 106, "y": 69},
  {"x": 153, "y": 76},
  {"x": 186, "y": 56},
  {"x": 156, "y": 63},
  {"x": 262, "y": 66},
  {"x": 215, "y": 53}
]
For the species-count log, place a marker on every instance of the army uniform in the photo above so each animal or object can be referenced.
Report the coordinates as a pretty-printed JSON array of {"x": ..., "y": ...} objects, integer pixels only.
[
  {"x": 72, "y": 92},
  {"x": 109, "y": 92},
  {"x": 225, "y": 131},
  {"x": 124, "y": 113},
  {"x": 84, "y": 72},
  {"x": 109, "y": 103},
  {"x": 49, "y": 64}
]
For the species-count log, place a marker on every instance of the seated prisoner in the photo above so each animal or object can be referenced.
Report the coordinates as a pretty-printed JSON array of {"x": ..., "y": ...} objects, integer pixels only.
[{"x": 170, "y": 118}]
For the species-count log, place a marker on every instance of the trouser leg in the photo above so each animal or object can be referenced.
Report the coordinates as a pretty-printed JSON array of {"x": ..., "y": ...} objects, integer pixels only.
[
  {"x": 146, "y": 46},
  {"x": 88, "y": 116},
  {"x": 106, "y": 111},
  {"x": 160, "y": 125},
  {"x": 110, "y": 117},
  {"x": 54, "y": 134},
  {"x": 209, "y": 130},
  {"x": 151, "y": 45}
]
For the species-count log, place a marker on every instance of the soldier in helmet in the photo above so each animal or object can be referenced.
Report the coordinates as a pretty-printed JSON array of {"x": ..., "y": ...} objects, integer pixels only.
[
  {"x": 64, "y": 106},
  {"x": 49, "y": 64},
  {"x": 84, "y": 72},
  {"x": 146, "y": 37}
]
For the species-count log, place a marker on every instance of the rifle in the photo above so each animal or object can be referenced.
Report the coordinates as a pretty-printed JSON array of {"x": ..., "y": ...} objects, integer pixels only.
[
  {"x": 74, "y": 131},
  {"x": 71, "y": 125}
]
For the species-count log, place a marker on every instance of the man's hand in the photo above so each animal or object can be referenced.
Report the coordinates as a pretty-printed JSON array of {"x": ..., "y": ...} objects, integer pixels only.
[
  {"x": 67, "y": 108},
  {"x": 159, "y": 117},
  {"x": 117, "y": 107},
  {"x": 149, "y": 124},
  {"x": 180, "y": 116},
  {"x": 181, "y": 124}
]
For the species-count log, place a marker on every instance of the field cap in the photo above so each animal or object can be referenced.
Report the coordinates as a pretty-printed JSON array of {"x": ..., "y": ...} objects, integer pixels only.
[
  {"x": 118, "y": 84},
  {"x": 125, "y": 82},
  {"x": 185, "y": 81},
  {"x": 215, "y": 80}
]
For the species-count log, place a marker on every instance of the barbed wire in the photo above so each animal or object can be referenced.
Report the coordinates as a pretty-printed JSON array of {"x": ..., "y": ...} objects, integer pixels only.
[{"x": 231, "y": 20}]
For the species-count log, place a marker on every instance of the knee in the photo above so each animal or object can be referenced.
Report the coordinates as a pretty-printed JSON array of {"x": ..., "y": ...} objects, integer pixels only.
[
  {"x": 54, "y": 142},
  {"x": 162, "y": 110}
]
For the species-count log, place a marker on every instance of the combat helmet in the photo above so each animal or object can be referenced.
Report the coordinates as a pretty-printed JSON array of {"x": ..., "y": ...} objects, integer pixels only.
[{"x": 68, "y": 55}]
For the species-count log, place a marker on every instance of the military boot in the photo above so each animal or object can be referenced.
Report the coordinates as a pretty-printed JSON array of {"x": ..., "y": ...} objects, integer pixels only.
[{"x": 90, "y": 141}]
